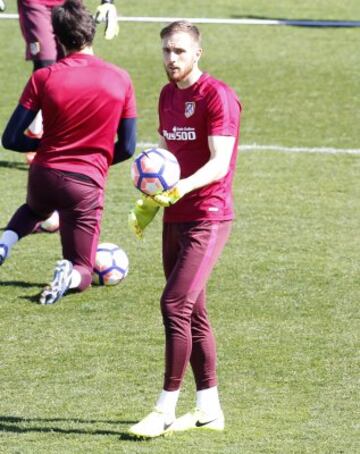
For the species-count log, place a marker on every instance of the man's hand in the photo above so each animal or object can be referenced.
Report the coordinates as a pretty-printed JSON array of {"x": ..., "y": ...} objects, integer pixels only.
[
  {"x": 2, "y": 6},
  {"x": 167, "y": 198},
  {"x": 141, "y": 215},
  {"x": 106, "y": 12}
]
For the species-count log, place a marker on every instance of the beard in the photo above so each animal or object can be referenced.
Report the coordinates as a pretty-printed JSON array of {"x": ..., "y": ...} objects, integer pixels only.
[{"x": 180, "y": 74}]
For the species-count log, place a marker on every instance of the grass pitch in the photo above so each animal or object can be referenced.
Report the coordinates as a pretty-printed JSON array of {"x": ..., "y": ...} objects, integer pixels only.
[{"x": 284, "y": 297}]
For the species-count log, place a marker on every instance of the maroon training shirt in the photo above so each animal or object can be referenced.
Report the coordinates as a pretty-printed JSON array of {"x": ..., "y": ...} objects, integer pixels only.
[
  {"x": 187, "y": 118},
  {"x": 82, "y": 99}
]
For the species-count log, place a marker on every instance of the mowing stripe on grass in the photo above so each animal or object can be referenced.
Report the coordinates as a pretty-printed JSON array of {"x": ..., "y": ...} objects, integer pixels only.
[
  {"x": 242, "y": 21},
  {"x": 256, "y": 147}
]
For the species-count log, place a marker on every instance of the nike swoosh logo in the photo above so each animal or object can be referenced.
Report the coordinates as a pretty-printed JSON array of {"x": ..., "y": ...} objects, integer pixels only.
[
  {"x": 202, "y": 424},
  {"x": 166, "y": 426}
]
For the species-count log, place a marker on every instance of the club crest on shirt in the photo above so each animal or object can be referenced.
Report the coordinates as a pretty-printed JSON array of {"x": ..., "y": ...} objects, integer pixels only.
[{"x": 189, "y": 109}]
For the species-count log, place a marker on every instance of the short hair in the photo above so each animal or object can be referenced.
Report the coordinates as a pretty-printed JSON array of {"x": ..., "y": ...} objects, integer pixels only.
[
  {"x": 181, "y": 26},
  {"x": 73, "y": 25}
]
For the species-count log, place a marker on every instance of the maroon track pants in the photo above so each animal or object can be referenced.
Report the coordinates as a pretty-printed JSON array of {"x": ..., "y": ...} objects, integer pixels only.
[
  {"x": 190, "y": 251},
  {"x": 37, "y": 30},
  {"x": 80, "y": 206}
]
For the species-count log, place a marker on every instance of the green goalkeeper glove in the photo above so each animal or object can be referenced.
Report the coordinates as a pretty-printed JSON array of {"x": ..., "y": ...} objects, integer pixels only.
[
  {"x": 167, "y": 198},
  {"x": 140, "y": 217},
  {"x": 106, "y": 12}
]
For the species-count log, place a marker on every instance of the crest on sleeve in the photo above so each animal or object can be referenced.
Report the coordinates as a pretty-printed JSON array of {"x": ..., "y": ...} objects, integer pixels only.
[
  {"x": 34, "y": 48},
  {"x": 189, "y": 109}
]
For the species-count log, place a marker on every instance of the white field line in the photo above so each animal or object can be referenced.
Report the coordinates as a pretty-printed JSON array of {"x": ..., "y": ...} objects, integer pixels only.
[
  {"x": 252, "y": 147},
  {"x": 256, "y": 147},
  {"x": 324, "y": 150},
  {"x": 242, "y": 21}
]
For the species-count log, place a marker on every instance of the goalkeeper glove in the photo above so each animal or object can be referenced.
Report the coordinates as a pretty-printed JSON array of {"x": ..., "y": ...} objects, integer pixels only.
[
  {"x": 167, "y": 198},
  {"x": 2, "y": 6},
  {"x": 140, "y": 217},
  {"x": 106, "y": 12}
]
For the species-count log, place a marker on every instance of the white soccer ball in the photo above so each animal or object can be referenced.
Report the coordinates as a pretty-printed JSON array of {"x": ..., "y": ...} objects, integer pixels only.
[
  {"x": 111, "y": 264},
  {"x": 51, "y": 224},
  {"x": 155, "y": 170}
]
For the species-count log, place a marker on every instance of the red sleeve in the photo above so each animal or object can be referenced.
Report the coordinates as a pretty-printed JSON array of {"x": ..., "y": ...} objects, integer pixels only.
[
  {"x": 32, "y": 94},
  {"x": 223, "y": 112},
  {"x": 130, "y": 103}
]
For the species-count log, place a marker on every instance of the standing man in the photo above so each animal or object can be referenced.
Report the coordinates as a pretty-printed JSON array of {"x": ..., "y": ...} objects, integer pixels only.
[
  {"x": 36, "y": 26},
  {"x": 199, "y": 123},
  {"x": 85, "y": 103}
]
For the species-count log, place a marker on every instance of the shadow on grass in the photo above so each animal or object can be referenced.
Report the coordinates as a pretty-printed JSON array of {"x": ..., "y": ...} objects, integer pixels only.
[
  {"x": 22, "y": 284},
  {"x": 16, "y": 424},
  {"x": 35, "y": 298},
  {"x": 32, "y": 298},
  {"x": 15, "y": 165}
]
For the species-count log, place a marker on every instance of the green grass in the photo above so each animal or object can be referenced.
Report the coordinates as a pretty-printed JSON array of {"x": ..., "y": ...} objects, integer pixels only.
[{"x": 284, "y": 297}]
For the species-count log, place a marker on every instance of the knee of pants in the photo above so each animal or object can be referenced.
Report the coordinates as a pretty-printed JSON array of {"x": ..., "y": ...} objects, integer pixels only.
[
  {"x": 86, "y": 277},
  {"x": 40, "y": 215},
  {"x": 176, "y": 306}
]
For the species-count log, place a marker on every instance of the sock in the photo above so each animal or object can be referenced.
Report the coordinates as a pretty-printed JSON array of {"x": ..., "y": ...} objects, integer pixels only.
[
  {"x": 9, "y": 238},
  {"x": 75, "y": 279},
  {"x": 167, "y": 403},
  {"x": 207, "y": 400}
]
